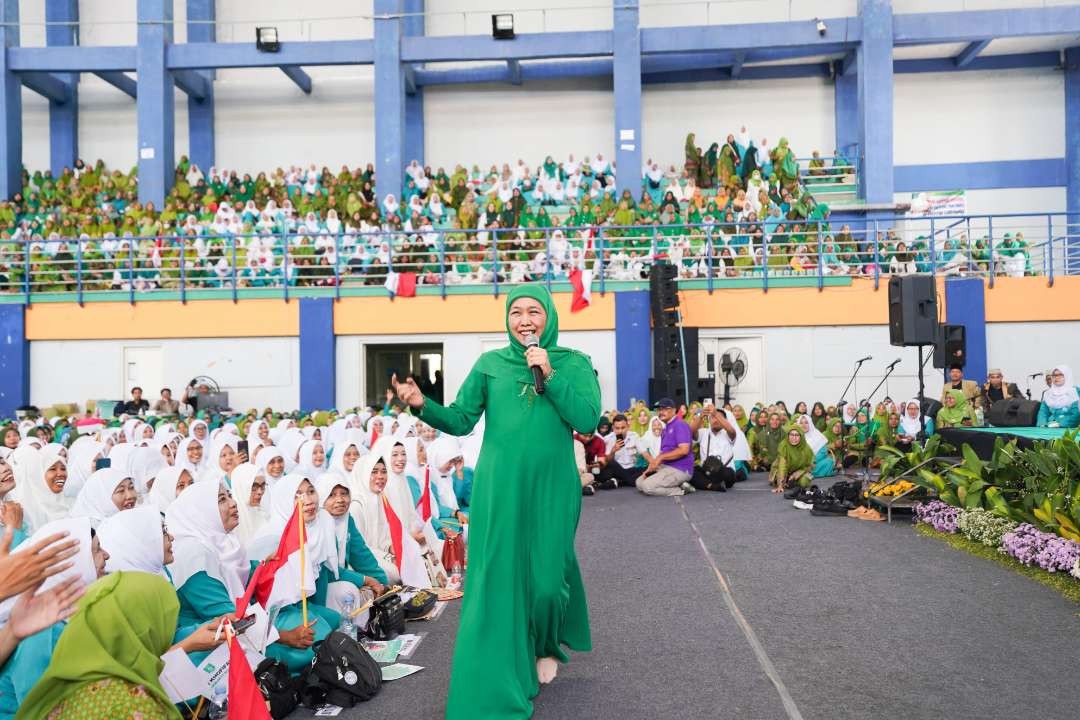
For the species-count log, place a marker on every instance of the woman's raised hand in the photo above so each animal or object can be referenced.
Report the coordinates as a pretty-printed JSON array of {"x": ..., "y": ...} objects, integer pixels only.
[{"x": 408, "y": 392}]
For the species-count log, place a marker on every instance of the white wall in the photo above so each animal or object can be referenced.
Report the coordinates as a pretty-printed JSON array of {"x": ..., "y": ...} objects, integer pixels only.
[
  {"x": 1020, "y": 349},
  {"x": 460, "y": 351},
  {"x": 256, "y": 372}
]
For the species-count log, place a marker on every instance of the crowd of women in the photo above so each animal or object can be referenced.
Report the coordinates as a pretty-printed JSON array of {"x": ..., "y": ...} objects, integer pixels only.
[{"x": 198, "y": 505}]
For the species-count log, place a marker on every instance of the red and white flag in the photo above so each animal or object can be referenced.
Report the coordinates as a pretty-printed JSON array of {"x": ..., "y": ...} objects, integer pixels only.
[
  {"x": 246, "y": 701},
  {"x": 581, "y": 280},
  {"x": 423, "y": 505},
  {"x": 286, "y": 577},
  {"x": 401, "y": 284}
]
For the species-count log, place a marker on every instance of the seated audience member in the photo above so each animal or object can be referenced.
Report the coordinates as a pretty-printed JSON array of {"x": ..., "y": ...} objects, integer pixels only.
[
  {"x": 669, "y": 472},
  {"x": 914, "y": 426},
  {"x": 587, "y": 485},
  {"x": 595, "y": 454},
  {"x": 165, "y": 405},
  {"x": 767, "y": 441},
  {"x": 621, "y": 456},
  {"x": 794, "y": 464},
  {"x": 970, "y": 388},
  {"x": 957, "y": 411},
  {"x": 137, "y": 405},
  {"x": 649, "y": 445},
  {"x": 719, "y": 437},
  {"x": 996, "y": 389},
  {"x": 1060, "y": 403},
  {"x": 824, "y": 465}
]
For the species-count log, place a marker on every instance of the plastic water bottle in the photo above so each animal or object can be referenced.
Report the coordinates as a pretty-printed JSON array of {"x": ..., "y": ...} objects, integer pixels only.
[
  {"x": 219, "y": 702},
  {"x": 348, "y": 606}
]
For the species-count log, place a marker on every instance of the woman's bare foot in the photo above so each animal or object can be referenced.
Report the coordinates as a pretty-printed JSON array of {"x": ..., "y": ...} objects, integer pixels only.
[{"x": 546, "y": 669}]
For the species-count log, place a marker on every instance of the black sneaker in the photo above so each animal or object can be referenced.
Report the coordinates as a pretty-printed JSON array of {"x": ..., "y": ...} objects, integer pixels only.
[
  {"x": 828, "y": 507},
  {"x": 609, "y": 484},
  {"x": 589, "y": 489}
]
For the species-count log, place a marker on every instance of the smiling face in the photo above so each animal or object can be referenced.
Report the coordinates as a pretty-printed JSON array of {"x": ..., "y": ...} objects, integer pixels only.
[
  {"x": 526, "y": 317},
  {"x": 264, "y": 431},
  {"x": 794, "y": 437},
  {"x": 183, "y": 481},
  {"x": 338, "y": 502},
  {"x": 7, "y": 478},
  {"x": 950, "y": 401},
  {"x": 804, "y": 423},
  {"x": 378, "y": 478},
  {"x": 276, "y": 467},
  {"x": 124, "y": 496},
  {"x": 56, "y": 477},
  {"x": 226, "y": 459},
  {"x": 348, "y": 460},
  {"x": 318, "y": 455},
  {"x": 11, "y": 438},
  {"x": 398, "y": 459},
  {"x": 194, "y": 452},
  {"x": 230, "y": 514},
  {"x": 309, "y": 499}
]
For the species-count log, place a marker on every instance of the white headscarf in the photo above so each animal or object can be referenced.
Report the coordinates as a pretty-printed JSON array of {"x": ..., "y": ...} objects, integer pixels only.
[
  {"x": 814, "y": 438},
  {"x": 289, "y": 443},
  {"x": 191, "y": 430},
  {"x": 1064, "y": 395},
  {"x": 649, "y": 441},
  {"x": 201, "y": 543},
  {"x": 252, "y": 519},
  {"x": 212, "y": 469},
  {"x": 397, "y": 488},
  {"x": 95, "y": 499},
  {"x": 369, "y": 429},
  {"x": 163, "y": 492},
  {"x": 337, "y": 462},
  {"x": 80, "y": 464},
  {"x": 144, "y": 464},
  {"x": 324, "y": 486},
  {"x": 182, "y": 456},
  {"x": 306, "y": 465},
  {"x": 134, "y": 541},
  {"x": 40, "y": 504},
  {"x": 366, "y": 508},
  {"x": 267, "y": 454},
  {"x": 911, "y": 426},
  {"x": 444, "y": 449},
  {"x": 318, "y": 533}
]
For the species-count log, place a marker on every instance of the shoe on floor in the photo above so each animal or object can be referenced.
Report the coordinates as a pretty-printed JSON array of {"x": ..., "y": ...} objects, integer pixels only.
[
  {"x": 872, "y": 515},
  {"x": 688, "y": 488},
  {"x": 857, "y": 512},
  {"x": 610, "y": 484},
  {"x": 830, "y": 507},
  {"x": 589, "y": 489},
  {"x": 800, "y": 504}
]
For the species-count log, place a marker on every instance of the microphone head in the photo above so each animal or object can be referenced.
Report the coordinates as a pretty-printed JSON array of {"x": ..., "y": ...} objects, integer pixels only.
[{"x": 531, "y": 340}]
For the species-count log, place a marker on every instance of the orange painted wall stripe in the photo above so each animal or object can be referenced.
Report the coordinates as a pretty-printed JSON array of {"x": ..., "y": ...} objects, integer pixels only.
[
  {"x": 1031, "y": 299},
  {"x": 164, "y": 319},
  {"x": 456, "y": 314}
]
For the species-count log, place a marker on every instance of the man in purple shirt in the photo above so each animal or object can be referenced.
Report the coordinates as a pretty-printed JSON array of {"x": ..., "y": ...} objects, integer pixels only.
[{"x": 669, "y": 472}]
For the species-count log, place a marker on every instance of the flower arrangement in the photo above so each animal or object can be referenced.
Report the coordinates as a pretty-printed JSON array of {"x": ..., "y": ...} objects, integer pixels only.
[
  {"x": 938, "y": 515},
  {"x": 984, "y": 527},
  {"x": 1032, "y": 546}
]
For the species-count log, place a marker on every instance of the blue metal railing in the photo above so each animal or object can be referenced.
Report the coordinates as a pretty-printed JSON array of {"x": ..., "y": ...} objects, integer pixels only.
[{"x": 139, "y": 267}]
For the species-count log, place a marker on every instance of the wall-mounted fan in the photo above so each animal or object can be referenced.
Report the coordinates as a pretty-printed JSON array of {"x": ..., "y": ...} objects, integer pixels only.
[{"x": 733, "y": 368}]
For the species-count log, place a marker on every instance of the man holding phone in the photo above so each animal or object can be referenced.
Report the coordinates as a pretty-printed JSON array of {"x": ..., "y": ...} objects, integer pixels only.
[{"x": 621, "y": 447}]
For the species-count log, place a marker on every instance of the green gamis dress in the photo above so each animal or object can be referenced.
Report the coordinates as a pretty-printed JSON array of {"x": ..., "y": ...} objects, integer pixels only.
[{"x": 524, "y": 596}]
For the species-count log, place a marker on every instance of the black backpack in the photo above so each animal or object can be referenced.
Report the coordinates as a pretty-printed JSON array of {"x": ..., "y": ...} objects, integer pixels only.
[
  {"x": 278, "y": 687},
  {"x": 387, "y": 618},
  {"x": 341, "y": 674}
]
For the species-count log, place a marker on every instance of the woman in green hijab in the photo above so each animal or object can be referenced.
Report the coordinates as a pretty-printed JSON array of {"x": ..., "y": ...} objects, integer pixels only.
[
  {"x": 794, "y": 462},
  {"x": 767, "y": 439},
  {"x": 107, "y": 661},
  {"x": 957, "y": 411},
  {"x": 523, "y": 606}
]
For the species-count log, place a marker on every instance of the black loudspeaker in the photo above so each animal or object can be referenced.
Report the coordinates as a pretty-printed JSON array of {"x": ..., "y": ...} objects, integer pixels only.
[
  {"x": 1014, "y": 412},
  {"x": 912, "y": 310},
  {"x": 668, "y": 353},
  {"x": 950, "y": 348},
  {"x": 674, "y": 389},
  {"x": 663, "y": 294},
  {"x": 930, "y": 408}
]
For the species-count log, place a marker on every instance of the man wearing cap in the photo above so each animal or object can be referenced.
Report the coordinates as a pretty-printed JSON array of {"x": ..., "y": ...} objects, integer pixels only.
[
  {"x": 996, "y": 389},
  {"x": 669, "y": 472},
  {"x": 956, "y": 381}
]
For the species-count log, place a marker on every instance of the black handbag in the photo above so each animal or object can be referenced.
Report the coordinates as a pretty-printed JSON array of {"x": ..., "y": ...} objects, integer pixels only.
[
  {"x": 387, "y": 618},
  {"x": 277, "y": 687},
  {"x": 342, "y": 673}
]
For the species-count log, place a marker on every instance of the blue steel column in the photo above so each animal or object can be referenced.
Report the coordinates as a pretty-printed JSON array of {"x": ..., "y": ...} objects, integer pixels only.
[
  {"x": 389, "y": 99},
  {"x": 1072, "y": 157},
  {"x": 154, "y": 106},
  {"x": 874, "y": 63},
  {"x": 626, "y": 70},
  {"x": 10, "y": 105},
  {"x": 201, "y": 111},
  {"x": 965, "y": 304},
  {"x": 318, "y": 375},
  {"x": 633, "y": 338},
  {"x": 14, "y": 359},
  {"x": 63, "y": 116},
  {"x": 846, "y": 104},
  {"x": 413, "y": 25}
]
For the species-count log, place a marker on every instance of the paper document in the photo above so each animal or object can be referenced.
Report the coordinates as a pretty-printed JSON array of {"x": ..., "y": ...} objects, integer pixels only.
[{"x": 399, "y": 670}]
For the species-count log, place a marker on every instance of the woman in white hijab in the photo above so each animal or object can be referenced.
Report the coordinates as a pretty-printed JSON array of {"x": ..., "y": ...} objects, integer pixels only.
[
  {"x": 912, "y": 423},
  {"x": 169, "y": 483},
  {"x": 649, "y": 442},
  {"x": 191, "y": 453},
  {"x": 144, "y": 464},
  {"x": 289, "y": 443},
  {"x": 107, "y": 492},
  {"x": 249, "y": 488},
  {"x": 375, "y": 429},
  {"x": 824, "y": 465},
  {"x": 258, "y": 434},
  {"x": 272, "y": 463},
  {"x": 345, "y": 456},
  {"x": 431, "y": 477},
  {"x": 219, "y": 464},
  {"x": 311, "y": 459},
  {"x": 420, "y": 539},
  {"x": 1061, "y": 401},
  {"x": 199, "y": 430},
  {"x": 82, "y": 456},
  {"x": 40, "y": 478},
  {"x": 137, "y": 541},
  {"x": 367, "y": 511}
]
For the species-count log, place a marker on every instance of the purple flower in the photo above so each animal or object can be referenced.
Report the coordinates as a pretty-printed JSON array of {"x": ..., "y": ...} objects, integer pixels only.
[
  {"x": 938, "y": 515},
  {"x": 1031, "y": 546}
]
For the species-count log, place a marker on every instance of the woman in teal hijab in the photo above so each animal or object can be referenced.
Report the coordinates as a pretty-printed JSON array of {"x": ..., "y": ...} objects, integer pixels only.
[{"x": 522, "y": 605}]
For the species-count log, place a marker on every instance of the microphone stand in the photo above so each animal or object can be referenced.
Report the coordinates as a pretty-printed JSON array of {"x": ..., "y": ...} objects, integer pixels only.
[
  {"x": 840, "y": 406},
  {"x": 870, "y": 401}
]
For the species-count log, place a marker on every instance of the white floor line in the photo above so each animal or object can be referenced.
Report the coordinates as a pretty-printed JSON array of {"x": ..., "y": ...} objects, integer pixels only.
[{"x": 751, "y": 637}]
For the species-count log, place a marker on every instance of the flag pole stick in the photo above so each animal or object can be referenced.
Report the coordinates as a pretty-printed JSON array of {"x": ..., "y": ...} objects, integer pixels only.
[{"x": 300, "y": 530}]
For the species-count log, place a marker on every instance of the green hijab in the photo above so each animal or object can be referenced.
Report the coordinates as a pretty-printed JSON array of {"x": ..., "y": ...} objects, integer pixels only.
[
  {"x": 955, "y": 415},
  {"x": 511, "y": 359},
  {"x": 796, "y": 457},
  {"x": 124, "y": 623}
]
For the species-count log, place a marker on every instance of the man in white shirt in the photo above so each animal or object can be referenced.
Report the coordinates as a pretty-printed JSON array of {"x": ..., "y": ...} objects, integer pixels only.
[
  {"x": 716, "y": 437},
  {"x": 621, "y": 468}
]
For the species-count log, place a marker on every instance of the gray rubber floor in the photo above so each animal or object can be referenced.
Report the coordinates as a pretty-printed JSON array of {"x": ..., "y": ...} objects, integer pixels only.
[{"x": 854, "y": 619}]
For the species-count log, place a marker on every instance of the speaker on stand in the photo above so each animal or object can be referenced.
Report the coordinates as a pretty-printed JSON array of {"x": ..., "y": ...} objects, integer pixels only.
[
  {"x": 913, "y": 316},
  {"x": 675, "y": 347}
]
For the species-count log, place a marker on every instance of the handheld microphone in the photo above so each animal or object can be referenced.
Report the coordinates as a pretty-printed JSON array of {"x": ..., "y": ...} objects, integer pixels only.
[
  {"x": 538, "y": 374},
  {"x": 894, "y": 363},
  {"x": 862, "y": 360}
]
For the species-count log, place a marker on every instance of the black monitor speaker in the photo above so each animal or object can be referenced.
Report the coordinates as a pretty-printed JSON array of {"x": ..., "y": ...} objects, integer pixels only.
[
  {"x": 912, "y": 310},
  {"x": 950, "y": 348}
]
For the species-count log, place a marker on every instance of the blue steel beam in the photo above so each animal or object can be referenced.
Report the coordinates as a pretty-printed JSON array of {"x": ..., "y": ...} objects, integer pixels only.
[
  {"x": 844, "y": 31},
  {"x": 527, "y": 46},
  {"x": 737, "y": 66},
  {"x": 990, "y": 62},
  {"x": 63, "y": 18},
  {"x": 48, "y": 86},
  {"x": 970, "y": 52},
  {"x": 410, "y": 79},
  {"x": 847, "y": 65},
  {"x": 72, "y": 59},
  {"x": 202, "y": 143},
  {"x": 991, "y": 175},
  {"x": 10, "y": 103},
  {"x": 514, "y": 68},
  {"x": 121, "y": 82},
  {"x": 298, "y": 76},
  {"x": 976, "y": 25},
  {"x": 753, "y": 72},
  {"x": 194, "y": 83},
  {"x": 626, "y": 82},
  {"x": 204, "y": 56}
]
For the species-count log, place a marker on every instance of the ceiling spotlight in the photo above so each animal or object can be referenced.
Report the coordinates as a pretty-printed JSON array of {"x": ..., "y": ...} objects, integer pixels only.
[
  {"x": 821, "y": 28},
  {"x": 502, "y": 26},
  {"x": 266, "y": 39}
]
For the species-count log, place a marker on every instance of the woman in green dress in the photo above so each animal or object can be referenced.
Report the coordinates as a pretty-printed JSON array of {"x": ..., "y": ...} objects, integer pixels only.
[{"x": 521, "y": 606}]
